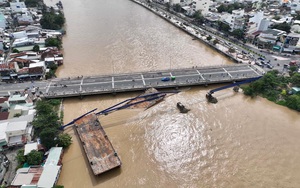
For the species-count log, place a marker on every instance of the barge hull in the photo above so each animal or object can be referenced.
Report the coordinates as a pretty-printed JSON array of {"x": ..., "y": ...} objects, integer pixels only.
[{"x": 99, "y": 151}]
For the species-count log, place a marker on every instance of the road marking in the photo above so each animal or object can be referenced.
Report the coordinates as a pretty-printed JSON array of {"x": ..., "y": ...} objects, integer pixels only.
[
  {"x": 143, "y": 79},
  {"x": 80, "y": 88},
  {"x": 48, "y": 87},
  {"x": 171, "y": 74},
  {"x": 112, "y": 82},
  {"x": 228, "y": 72},
  {"x": 200, "y": 74},
  {"x": 254, "y": 71}
]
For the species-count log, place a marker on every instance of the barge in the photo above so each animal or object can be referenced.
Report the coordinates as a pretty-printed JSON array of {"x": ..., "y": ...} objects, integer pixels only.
[{"x": 99, "y": 151}]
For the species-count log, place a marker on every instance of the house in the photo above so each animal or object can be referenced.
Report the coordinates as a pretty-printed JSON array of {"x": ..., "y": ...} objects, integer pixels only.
[
  {"x": 54, "y": 157},
  {"x": 292, "y": 43},
  {"x": 3, "y": 142},
  {"x": 2, "y": 21},
  {"x": 203, "y": 6},
  {"x": 18, "y": 133},
  {"x": 27, "y": 176},
  {"x": 19, "y": 98},
  {"x": 41, "y": 176},
  {"x": 269, "y": 38},
  {"x": 19, "y": 35},
  {"x": 17, "y": 6}
]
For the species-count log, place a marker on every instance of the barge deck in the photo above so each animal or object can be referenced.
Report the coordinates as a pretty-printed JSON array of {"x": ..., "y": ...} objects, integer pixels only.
[{"x": 99, "y": 151}]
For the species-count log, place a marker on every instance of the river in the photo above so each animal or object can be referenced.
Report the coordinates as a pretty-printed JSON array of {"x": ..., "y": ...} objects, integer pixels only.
[{"x": 238, "y": 142}]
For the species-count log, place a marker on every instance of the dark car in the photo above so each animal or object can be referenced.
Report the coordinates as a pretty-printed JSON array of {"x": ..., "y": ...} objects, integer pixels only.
[
  {"x": 165, "y": 79},
  {"x": 261, "y": 58}
]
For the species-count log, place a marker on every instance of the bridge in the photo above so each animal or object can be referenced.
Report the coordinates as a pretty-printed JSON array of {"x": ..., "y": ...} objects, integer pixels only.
[{"x": 92, "y": 85}]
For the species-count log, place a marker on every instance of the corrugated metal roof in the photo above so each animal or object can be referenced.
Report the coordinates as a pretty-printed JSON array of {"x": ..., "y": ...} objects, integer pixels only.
[
  {"x": 29, "y": 147},
  {"x": 48, "y": 177},
  {"x": 16, "y": 126},
  {"x": 54, "y": 156}
]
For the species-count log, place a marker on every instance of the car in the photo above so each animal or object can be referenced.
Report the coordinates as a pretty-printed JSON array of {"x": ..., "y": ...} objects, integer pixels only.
[
  {"x": 261, "y": 58},
  {"x": 165, "y": 79},
  {"x": 258, "y": 63},
  {"x": 286, "y": 66},
  {"x": 270, "y": 66},
  {"x": 263, "y": 62}
]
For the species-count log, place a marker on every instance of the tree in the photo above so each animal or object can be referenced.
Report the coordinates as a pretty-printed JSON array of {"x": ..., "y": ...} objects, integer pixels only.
[
  {"x": 216, "y": 41},
  {"x": 223, "y": 26},
  {"x": 33, "y": 3},
  {"x": 221, "y": 8},
  {"x": 64, "y": 140},
  {"x": 53, "y": 42},
  {"x": 15, "y": 51},
  {"x": 238, "y": 33},
  {"x": 34, "y": 157},
  {"x": 282, "y": 26},
  {"x": 52, "y": 20},
  {"x": 36, "y": 48},
  {"x": 293, "y": 102},
  {"x": 208, "y": 38},
  {"x": 277, "y": 17},
  {"x": 231, "y": 50},
  {"x": 198, "y": 16},
  {"x": 295, "y": 79},
  {"x": 177, "y": 7},
  {"x": 48, "y": 137},
  {"x": 20, "y": 157}
]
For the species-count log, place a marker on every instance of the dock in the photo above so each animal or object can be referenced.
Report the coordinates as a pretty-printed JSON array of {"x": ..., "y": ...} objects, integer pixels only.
[{"x": 99, "y": 151}]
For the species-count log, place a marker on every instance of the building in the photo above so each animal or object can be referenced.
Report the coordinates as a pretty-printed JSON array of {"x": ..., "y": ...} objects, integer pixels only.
[
  {"x": 270, "y": 38},
  {"x": 41, "y": 176},
  {"x": 19, "y": 99},
  {"x": 292, "y": 43},
  {"x": 17, "y": 6},
  {"x": 203, "y": 6},
  {"x": 54, "y": 157},
  {"x": 18, "y": 133},
  {"x": 2, "y": 21},
  {"x": 235, "y": 20}
]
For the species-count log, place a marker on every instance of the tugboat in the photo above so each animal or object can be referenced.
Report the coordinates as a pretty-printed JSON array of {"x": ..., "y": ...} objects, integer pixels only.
[{"x": 182, "y": 108}]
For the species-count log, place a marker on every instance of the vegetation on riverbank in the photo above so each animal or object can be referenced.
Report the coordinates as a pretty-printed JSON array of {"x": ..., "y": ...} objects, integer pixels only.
[
  {"x": 52, "y": 19},
  {"x": 47, "y": 124},
  {"x": 277, "y": 88}
]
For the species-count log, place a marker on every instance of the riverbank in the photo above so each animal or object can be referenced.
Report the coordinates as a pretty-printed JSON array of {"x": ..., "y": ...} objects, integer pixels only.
[{"x": 194, "y": 31}]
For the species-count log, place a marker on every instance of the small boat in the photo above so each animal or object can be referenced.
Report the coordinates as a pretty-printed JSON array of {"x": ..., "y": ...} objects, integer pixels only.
[{"x": 182, "y": 108}]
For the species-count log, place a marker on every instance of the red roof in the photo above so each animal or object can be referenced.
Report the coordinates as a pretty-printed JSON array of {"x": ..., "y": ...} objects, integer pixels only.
[
  {"x": 3, "y": 99},
  {"x": 4, "y": 115}
]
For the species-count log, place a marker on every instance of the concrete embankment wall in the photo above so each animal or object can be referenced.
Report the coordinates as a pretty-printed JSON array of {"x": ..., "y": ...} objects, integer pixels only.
[{"x": 155, "y": 11}]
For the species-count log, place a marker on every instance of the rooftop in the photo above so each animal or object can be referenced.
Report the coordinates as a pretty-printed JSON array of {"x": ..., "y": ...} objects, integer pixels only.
[
  {"x": 54, "y": 156},
  {"x": 16, "y": 126},
  {"x": 49, "y": 176},
  {"x": 29, "y": 147}
]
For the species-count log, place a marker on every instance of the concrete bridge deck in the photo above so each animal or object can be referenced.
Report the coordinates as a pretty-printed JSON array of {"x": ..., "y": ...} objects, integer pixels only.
[{"x": 81, "y": 86}]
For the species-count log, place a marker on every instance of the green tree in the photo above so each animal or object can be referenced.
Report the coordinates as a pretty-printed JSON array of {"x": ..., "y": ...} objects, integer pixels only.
[
  {"x": 36, "y": 48},
  {"x": 15, "y": 51},
  {"x": 282, "y": 26},
  {"x": 223, "y": 26},
  {"x": 295, "y": 79},
  {"x": 293, "y": 102},
  {"x": 277, "y": 17},
  {"x": 64, "y": 140},
  {"x": 221, "y": 8},
  {"x": 58, "y": 186},
  {"x": 216, "y": 41},
  {"x": 48, "y": 137},
  {"x": 20, "y": 157},
  {"x": 198, "y": 17},
  {"x": 52, "y": 20},
  {"x": 34, "y": 157},
  {"x": 208, "y": 38},
  {"x": 231, "y": 50},
  {"x": 53, "y": 42},
  {"x": 33, "y": 3},
  {"x": 177, "y": 7},
  {"x": 238, "y": 33}
]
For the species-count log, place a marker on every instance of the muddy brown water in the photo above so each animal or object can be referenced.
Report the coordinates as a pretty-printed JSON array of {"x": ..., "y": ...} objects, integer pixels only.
[{"x": 238, "y": 142}]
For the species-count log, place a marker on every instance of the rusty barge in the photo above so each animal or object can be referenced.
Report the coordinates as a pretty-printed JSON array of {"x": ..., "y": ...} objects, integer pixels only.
[{"x": 99, "y": 151}]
